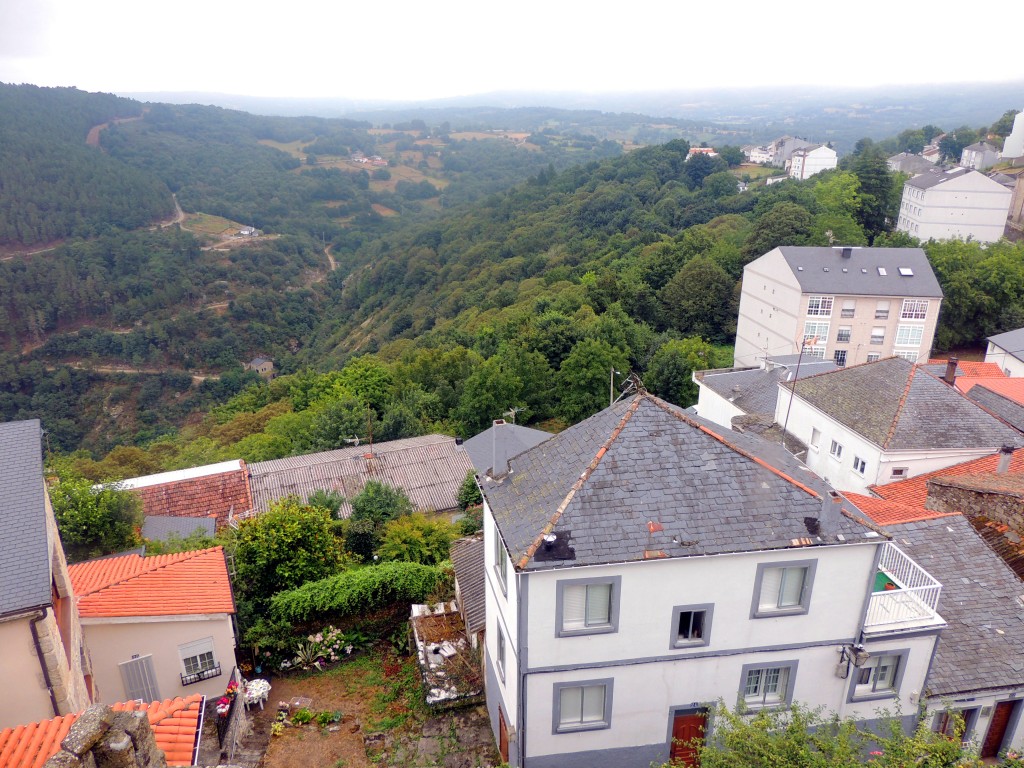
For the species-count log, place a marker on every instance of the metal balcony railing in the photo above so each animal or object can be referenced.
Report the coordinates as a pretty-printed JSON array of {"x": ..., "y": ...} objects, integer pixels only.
[
  {"x": 910, "y": 594},
  {"x": 203, "y": 674}
]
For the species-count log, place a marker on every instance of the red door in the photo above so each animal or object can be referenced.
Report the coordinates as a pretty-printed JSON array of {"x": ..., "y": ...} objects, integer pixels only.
[
  {"x": 502, "y": 736},
  {"x": 687, "y": 736},
  {"x": 997, "y": 729}
]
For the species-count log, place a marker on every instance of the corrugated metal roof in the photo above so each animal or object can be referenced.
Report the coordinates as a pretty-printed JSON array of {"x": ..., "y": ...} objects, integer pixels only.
[{"x": 429, "y": 469}]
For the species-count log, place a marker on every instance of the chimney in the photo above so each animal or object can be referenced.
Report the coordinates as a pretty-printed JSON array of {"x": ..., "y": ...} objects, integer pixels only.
[
  {"x": 831, "y": 507},
  {"x": 950, "y": 377},
  {"x": 1005, "y": 456}
]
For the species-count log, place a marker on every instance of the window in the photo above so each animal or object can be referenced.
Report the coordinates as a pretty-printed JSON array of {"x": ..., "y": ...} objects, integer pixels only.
[
  {"x": 878, "y": 335},
  {"x": 815, "y": 437},
  {"x": 839, "y": 357},
  {"x": 768, "y": 686},
  {"x": 911, "y": 355},
  {"x": 582, "y": 706},
  {"x": 873, "y": 356},
  {"x": 849, "y": 307},
  {"x": 691, "y": 625},
  {"x": 880, "y": 676},
  {"x": 500, "y": 561},
  {"x": 836, "y": 450},
  {"x": 501, "y": 654},
  {"x": 909, "y": 335},
  {"x": 882, "y": 310},
  {"x": 197, "y": 661},
  {"x": 783, "y": 588},
  {"x": 819, "y": 306},
  {"x": 843, "y": 336},
  {"x": 587, "y": 606},
  {"x": 913, "y": 309},
  {"x": 899, "y": 473},
  {"x": 859, "y": 465}
]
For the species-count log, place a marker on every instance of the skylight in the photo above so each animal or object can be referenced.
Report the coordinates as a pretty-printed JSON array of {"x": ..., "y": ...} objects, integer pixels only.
[
  {"x": 882, "y": 272},
  {"x": 906, "y": 272}
]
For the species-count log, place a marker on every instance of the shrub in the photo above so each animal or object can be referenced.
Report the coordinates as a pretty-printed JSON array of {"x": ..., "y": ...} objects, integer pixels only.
[
  {"x": 360, "y": 590},
  {"x": 469, "y": 492},
  {"x": 417, "y": 539},
  {"x": 302, "y": 716}
]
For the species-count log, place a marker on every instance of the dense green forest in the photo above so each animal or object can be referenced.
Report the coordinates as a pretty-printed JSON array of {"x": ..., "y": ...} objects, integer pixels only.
[{"x": 467, "y": 299}]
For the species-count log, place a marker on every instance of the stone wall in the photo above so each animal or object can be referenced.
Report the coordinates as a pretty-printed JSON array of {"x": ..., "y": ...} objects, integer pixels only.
[
  {"x": 103, "y": 738},
  {"x": 1005, "y": 508}
]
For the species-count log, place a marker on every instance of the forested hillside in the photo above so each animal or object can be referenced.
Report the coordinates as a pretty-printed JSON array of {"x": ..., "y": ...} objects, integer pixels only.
[{"x": 53, "y": 186}]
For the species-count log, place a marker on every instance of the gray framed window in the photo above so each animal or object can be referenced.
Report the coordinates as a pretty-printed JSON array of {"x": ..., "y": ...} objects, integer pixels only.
[
  {"x": 587, "y": 606},
  {"x": 500, "y": 561},
  {"x": 859, "y": 465},
  {"x": 880, "y": 676},
  {"x": 501, "y": 655},
  {"x": 585, "y": 705},
  {"x": 691, "y": 625},
  {"x": 783, "y": 589},
  {"x": 768, "y": 685}
]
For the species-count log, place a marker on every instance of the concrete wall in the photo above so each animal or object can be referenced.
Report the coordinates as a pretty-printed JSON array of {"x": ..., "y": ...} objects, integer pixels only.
[
  {"x": 118, "y": 640},
  {"x": 1011, "y": 365},
  {"x": 713, "y": 407}
]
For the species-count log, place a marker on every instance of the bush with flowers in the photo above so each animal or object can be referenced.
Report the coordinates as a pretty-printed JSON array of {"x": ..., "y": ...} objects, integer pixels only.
[
  {"x": 328, "y": 646},
  {"x": 1013, "y": 758}
]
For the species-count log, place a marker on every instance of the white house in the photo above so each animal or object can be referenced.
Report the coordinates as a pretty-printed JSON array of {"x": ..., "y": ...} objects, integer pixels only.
[
  {"x": 885, "y": 421},
  {"x": 958, "y": 204},
  {"x": 758, "y": 154},
  {"x": 979, "y": 156},
  {"x": 644, "y": 564},
  {"x": 808, "y": 161},
  {"x": 1007, "y": 351},
  {"x": 1013, "y": 145},
  {"x": 851, "y": 305}
]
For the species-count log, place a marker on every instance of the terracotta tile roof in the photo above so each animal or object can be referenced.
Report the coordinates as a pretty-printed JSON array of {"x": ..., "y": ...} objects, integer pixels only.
[
  {"x": 213, "y": 491},
  {"x": 972, "y": 369},
  {"x": 185, "y": 583},
  {"x": 1012, "y": 389},
  {"x": 914, "y": 490},
  {"x": 884, "y": 512},
  {"x": 175, "y": 723}
]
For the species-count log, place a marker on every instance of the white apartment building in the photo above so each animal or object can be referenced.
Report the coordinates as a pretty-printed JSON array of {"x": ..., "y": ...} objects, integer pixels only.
[
  {"x": 808, "y": 161},
  {"x": 850, "y": 305},
  {"x": 958, "y": 204}
]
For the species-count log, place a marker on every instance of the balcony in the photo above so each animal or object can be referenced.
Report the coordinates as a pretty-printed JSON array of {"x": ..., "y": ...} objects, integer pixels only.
[
  {"x": 203, "y": 674},
  {"x": 905, "y": 595}
]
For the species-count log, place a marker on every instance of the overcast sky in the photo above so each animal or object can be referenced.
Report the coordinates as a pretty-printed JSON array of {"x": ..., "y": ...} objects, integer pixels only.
[{"x": 394, "y": 49}]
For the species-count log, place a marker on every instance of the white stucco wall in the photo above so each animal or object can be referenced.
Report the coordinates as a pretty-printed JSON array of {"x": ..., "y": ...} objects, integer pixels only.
[
  {"x": 1011, "y": 365},
  {"x": 502, "y": 612},
  {"x": 769, "y": 318},
  {"x": 971, "y": 206},
  {"x": 713, "y": 407},
  {"x": 113, "y": 641}
]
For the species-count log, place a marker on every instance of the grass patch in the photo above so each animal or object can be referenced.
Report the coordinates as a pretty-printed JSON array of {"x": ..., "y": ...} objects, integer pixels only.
[{"x": 205, "y": 224}]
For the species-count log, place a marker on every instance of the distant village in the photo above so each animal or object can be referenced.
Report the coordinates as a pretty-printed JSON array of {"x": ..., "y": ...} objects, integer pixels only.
[{"x": 837, "y": 522}]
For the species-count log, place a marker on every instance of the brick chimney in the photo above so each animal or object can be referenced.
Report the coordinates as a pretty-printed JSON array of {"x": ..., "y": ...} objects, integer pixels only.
[{"x": 950, "y": 376}]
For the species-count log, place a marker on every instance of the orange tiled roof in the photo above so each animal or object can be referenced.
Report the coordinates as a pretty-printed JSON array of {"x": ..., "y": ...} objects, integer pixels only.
[
  {"x": 914, "y": 490},
  {"x": 211, "y": 495},
  {"x": 166, "y": 585},
  {"x": 974, "y": 369},
  {"x": 1012, "y": 389},
  {"x": 884, "y": 512},
  {"x": 175, "y": 723}
]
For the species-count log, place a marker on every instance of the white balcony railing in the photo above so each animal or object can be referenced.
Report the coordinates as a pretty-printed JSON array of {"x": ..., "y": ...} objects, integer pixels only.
[{"x": 911, "y": 595}]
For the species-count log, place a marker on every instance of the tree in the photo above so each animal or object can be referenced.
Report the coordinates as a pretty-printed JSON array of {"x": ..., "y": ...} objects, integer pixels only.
[
  {"x": 283, "y": 548},
  {"x": 785, "y": 224},
  {"x": 417, "y": 539},
  {"x": 732, "y": 155},
  {"x": 584, "y": 375},
  {"x": 95, "y": 521},
  {"x": 952, "y": 144},
  {"x": 878, "y": 201},
  {"x": 469, "y": 492},
  {"x": 490, "y": 391},
  {"x": 670, "y": 374},
  {"x": 326, "y": 499},
  {"x": 699, "y": 300},
  {"x": 379, "y": 503}
]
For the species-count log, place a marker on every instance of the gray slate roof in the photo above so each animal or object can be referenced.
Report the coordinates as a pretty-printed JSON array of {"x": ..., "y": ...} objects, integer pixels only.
[
  {"x": 25, "y": 574},
  {"x": 820, "y": 270},
  {"x": 901, "y": 406},
  {"x": 1003, "y": 407},
  {"x": 755, "y": 390},
  {"x": 493, "y": 447},
  {"x": 429, "y": 469},
  {"x": 983, "y": 644},
  {"x": 598, "y": 484},
  {"x": 467, "y": 557},
  {"x": 161, "y": 527},
  {"x": 936, "y": 176},
  {"x": 905, "y": 162},
  {"x": 1012, "y": 342}
]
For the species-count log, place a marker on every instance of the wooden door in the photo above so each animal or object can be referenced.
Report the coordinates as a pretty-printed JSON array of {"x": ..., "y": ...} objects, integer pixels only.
[
  {"x": 997, "y": 729},
  {"x": 687, "y": 735},
  {"x": 502, "y": 736}
]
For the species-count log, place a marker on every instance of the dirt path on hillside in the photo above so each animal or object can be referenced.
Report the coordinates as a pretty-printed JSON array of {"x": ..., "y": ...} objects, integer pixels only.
[{"x": 93, "y": 137}]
